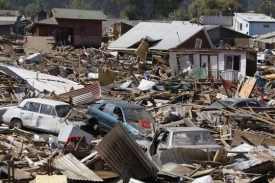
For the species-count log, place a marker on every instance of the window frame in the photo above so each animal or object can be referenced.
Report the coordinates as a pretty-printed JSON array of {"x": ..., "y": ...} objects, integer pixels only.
[{"x": 233, "y": 62}]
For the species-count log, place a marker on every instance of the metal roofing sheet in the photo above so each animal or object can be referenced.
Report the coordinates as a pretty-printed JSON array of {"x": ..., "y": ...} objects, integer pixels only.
[
  {"x": 74, "y": 169},
  {"x": 262, "y": 153},
  {"x": 78, "y": 14},
  {"x": 255, "y": 17},
  {"x": 170, "y": 35},
  {"x": 122, "y": 153},
  {"x": 87, "y": 94},
  {"x": 44, "y": 82}
]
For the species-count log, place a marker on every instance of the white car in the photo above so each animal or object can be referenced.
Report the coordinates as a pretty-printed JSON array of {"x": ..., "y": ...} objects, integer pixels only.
[{"x": 40, "y": 114}]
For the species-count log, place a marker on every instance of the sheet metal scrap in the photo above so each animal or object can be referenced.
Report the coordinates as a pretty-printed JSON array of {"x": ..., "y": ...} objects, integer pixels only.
[
  {"x": 122, "y": 153},
  {"x": 74, "y": 169}
]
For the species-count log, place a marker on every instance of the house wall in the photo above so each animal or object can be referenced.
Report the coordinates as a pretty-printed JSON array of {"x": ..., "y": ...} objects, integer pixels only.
[
  {"x": 43, "y": 30},
  {"x": 197, "y": 57},
  {"x": 253, "y": 28},
  {"x": 92, "y": 35},
  {"x": 190, "y": 43},
  {"x": 5, "y": 30}
]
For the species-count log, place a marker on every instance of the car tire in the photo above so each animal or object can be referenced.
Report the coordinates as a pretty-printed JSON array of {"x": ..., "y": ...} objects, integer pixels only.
[{"x": 16, "y": 123}]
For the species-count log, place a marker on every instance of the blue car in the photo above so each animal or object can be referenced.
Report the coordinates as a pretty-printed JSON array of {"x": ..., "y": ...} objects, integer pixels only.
[{"x": 106, "y": 115}]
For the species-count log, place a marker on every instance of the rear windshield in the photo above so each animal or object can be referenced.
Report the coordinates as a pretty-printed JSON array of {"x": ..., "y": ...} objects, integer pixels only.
[
  {"x": 62, "y": 110},
  {"x": 225, "y": 103},
  {"x": 192, "y": 137},
  {"x": 133, "y": 115}
]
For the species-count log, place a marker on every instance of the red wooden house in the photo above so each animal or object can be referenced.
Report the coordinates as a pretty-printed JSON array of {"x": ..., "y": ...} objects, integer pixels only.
[{"x": 71, "y": 26}]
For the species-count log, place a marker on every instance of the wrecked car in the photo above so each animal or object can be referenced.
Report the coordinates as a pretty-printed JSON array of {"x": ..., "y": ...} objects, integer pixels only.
[
  {"x": 238, "y": 102},
  {"x": 134, "y": 117},
  {"x": 187, "y": 137},
  {"x": 41, "y": 114}
]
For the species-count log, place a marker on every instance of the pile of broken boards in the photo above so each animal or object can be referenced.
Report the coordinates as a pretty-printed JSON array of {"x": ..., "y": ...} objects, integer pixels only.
[{"x": 248, "y": 155}]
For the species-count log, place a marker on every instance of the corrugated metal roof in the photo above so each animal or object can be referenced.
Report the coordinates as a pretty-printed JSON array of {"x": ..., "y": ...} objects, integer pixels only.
[
  {"x": 44, "y": 82},
  {"x": 123, "y": 154},
  {"x": 262, "y": 153},
  {"x": 78, "y": 14},
  {"x": 74, "y": 169},
  {"x": 48, "y": 21},
  {"x": 170, "y": 35},
  {"x": 87, "y": 94},
  {"x": 255, "y": 17},
  {"x": 7, "y": 20}
]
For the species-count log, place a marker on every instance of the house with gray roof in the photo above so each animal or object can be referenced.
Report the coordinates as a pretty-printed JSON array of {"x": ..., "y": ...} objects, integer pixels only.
[{"x": 253, "y": 23}]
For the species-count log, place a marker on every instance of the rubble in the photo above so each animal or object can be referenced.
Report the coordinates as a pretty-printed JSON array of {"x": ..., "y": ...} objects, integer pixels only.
[{"x": 85, "y": 76}]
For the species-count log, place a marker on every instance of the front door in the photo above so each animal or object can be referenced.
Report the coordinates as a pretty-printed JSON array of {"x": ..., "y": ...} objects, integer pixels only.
[{"x": 210, "y": 62}]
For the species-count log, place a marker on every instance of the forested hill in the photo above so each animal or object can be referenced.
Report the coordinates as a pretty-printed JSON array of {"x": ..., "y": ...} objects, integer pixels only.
[{"x": 147, "y": 9}]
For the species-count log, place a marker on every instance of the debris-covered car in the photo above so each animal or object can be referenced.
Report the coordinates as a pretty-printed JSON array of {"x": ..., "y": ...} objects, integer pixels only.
[
  {"x": 187, "y": 137},
  {"x": 238, "y": 102},
  {"x": 106, "y": 115},
  {"x": 41, "y": 114}
]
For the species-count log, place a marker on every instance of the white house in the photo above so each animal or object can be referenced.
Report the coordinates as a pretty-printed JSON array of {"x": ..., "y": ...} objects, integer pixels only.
[
  {"x": 253, "y": 23},
  {"x": 228, "y": 63}
]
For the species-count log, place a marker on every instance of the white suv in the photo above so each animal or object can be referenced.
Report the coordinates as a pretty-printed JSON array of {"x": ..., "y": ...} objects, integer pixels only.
[{"x": 40, "y": 114}]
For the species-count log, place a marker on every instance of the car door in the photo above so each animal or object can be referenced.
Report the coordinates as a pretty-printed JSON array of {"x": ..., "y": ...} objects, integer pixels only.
[
  {"x": 27, "y": 113},
  {"x": 105, "y": 117},
  {"x": 46, "y": 119}
]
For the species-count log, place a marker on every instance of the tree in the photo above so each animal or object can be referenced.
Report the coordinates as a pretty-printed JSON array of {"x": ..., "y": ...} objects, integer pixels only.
[
  {"x": 267, "y": 7},
  {"x": 179, "y": 14},
  {"x": 6, "y": 6},
  {"x": 147, "y": 9},
  {"x": 31, "y": 9},
  {"x": 213, "y": 7},
  {"x": 79, "y": 4}
]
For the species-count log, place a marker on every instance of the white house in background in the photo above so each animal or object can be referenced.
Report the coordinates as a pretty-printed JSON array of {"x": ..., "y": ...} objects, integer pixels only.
[
  {"x": 253, "y": 23},
  {"x": 228, "y": 63}
]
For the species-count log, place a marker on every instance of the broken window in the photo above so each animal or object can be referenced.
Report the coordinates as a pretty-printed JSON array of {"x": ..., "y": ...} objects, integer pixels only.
[
  {"x": 63, "y": 110},
  {"x": 117, "y": 113},
  {"x": 232, "y": 62},
  {"x": 82, "y": 31},
  {"x": 198, "y": 43}
]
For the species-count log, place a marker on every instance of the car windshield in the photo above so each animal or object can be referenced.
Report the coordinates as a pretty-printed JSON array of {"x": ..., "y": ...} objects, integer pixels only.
[
  {"x": 225, "y": 103},
  {"x": 182, "y": 138},
  {"x": 133, "y": 115},
  {"x": 62, "y": 110}
]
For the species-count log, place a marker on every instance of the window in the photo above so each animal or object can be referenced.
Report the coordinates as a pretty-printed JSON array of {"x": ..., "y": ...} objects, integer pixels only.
[
  {"x": 34, "y": 107},
  {"x": 47, "y": 109},
  {"x": 232, "y": 62},
  {"x": 117, "y": 113},
  {"x": 63, "y": 110},
  {"x": 241, "y": 26},
  {"x": 165, "y": 138},
  {"x": 252, "y": 103},
  {"x": 102, "y": 107},
  {"x": 241, "y": 104},
  {"x": 266, "y": 25},
  {"x": 82, "y": 31},
  {"x": 109, "y": 108},
  {"x": 198, "y": 43},
  {"x": 246, "y": 25}
]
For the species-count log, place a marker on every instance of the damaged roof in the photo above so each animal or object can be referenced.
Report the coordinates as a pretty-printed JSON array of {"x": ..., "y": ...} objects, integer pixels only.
[
  {"x": 7, "y": 20},
  {"x": 77, "y": 14},
  {"x": 169, "y": 35}
]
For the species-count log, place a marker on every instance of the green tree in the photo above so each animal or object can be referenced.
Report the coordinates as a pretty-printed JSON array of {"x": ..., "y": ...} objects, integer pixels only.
[
  {"x": 31, "y": 9},
  {"x": 266, "y": 7},
  {"x": 179, "y": 14},
  {"x": 213, "y": 7},
  {"x": 147, "y": 9},
  {"x": 79, "y": 4},
  {"x": 6, "y": 6}
]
